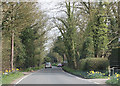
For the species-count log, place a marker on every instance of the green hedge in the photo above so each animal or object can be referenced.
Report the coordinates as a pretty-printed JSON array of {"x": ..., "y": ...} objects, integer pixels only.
[{"x": 95, "y": 64}]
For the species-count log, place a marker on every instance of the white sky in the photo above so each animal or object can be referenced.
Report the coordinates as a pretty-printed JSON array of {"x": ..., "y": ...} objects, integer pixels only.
[{"x": 49, "y": 6}]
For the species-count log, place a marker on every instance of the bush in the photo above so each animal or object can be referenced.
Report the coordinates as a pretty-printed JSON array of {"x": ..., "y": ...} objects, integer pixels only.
[
  {"x": 96, "y": 64},
  {"x": 30, "y": 69}
]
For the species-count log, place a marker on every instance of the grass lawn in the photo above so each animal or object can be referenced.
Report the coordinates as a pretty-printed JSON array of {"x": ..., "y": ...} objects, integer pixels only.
[{"x": 7, "y": 79}]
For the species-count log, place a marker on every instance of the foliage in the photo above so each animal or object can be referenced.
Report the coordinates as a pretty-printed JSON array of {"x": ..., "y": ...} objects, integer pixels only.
[
  {"x": 47, "y": 59},
  {"x": 28, "y": 39},
  {"x": 67, "y": 28},
  {"x": 27, "y": 23},
  {"x": 98, "y": 30},
  {"x": 59, "y": 46},
  {"x": 95, "y": 64},
  {"x": 55, "y": 57},
  {"x": 19, "y": 54},
  {"x": 31, "y": 69},
  {"x": 5, "y": 52},
  {"x": 87, "y": 51}
]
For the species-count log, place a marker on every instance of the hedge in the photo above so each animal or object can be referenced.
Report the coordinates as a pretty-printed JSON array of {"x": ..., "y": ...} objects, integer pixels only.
[{"x": 95, "y": 64}]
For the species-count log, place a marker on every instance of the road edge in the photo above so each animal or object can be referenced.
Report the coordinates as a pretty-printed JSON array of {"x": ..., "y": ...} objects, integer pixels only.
[{"x": 79, "y": 77}]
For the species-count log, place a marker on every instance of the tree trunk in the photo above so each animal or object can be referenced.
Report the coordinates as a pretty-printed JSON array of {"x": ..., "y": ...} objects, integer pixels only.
[
  {"x": 103, "y": 54},
  {"x": 119, "y": 21},
  {"x": 119, "y": 16},
  {"x": 74, "y": 54},
  {"x": 12, "y": 49},
  {"x": 65, "y": 59},
  {"x": 77, "y": 59},
  {"x": 95, "y": 46}
]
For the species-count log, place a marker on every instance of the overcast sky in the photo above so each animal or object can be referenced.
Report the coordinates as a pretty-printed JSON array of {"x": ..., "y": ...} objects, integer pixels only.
[{"x": 50, "y": 7}]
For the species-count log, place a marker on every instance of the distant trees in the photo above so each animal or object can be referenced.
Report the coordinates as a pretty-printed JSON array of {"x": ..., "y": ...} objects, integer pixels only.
[
  {"x": 59, "y": 47},
  {"x": 55, "y": 57},
  {"x": 47, "y": 59}
]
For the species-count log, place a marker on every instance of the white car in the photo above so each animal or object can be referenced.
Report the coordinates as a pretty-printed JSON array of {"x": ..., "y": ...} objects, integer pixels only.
[{"x": 48, "y": 65}]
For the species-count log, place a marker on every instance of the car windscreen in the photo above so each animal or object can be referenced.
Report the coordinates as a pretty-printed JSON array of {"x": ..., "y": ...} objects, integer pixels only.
[{"x": 47, "y": 63}]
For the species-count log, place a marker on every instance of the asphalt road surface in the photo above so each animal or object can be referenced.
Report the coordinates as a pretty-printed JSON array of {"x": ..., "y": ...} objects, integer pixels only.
[{"x": 53, "y": 75}]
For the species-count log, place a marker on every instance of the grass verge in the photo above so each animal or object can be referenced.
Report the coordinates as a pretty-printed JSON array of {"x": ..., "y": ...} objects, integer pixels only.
[
  {"x": 9, "y": 78},
  {"x": 113, "y": 81},
  {"x": 85, "y": 74}
]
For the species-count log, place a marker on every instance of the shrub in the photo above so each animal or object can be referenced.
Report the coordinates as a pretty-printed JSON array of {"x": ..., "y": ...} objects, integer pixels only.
[
  {"x": 30, "y": 69},
  {"x": 96, "y": 64}
]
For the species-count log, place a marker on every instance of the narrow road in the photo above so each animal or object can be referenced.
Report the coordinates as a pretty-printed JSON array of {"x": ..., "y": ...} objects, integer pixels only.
[{"x": 53, "y": 75}]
